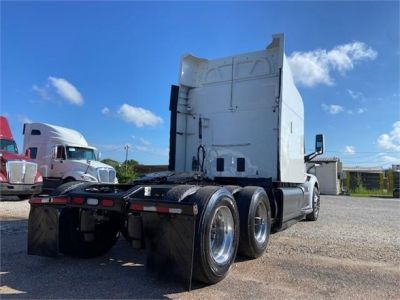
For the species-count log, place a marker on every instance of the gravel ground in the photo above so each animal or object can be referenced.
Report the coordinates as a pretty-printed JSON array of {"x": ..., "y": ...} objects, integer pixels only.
[{"x": 352, "y": 251}]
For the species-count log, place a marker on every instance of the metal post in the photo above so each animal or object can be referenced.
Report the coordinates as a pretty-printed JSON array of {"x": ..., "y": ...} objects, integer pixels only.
[{"x": 126, "y": 158}]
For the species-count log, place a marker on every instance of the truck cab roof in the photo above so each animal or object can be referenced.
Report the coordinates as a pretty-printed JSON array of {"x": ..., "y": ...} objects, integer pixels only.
[{"x": 5, "y": 131}]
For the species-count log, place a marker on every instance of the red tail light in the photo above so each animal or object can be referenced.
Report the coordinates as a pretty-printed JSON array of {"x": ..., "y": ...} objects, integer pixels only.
[
  {"x": 60, "y": 200},
  {"x": 78, "y": 200},
  {"x": 107, "y": 202},
  {"x": 136, "y": 207},
  {"x": 36, "y": 201}
]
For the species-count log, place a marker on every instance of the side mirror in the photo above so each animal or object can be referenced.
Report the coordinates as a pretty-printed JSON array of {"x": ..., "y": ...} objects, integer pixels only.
[
  {"x": 319, "y": 143},
  {"x": 98, "y": 155},
  {"x": 28, "y": 153},
  {"x": 319, "y": 148}
]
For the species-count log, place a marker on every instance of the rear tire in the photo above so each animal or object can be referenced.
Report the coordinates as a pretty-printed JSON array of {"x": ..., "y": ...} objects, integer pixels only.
[
  {"x": 313, "y": 216},
  {"x": 217, "y": 234},
  {"x": 67, "y": 187},
  {"x": 255, "y": 221},
  {"x": 24, "y": 197}
]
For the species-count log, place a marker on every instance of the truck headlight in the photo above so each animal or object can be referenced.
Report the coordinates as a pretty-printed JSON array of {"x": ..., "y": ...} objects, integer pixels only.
[{"x": 87, "y": 177}]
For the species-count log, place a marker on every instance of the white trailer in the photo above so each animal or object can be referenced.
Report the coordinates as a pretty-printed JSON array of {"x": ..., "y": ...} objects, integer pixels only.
[
  {"x": 64, "y": 155},
  {"x": 237, "y": 173}
]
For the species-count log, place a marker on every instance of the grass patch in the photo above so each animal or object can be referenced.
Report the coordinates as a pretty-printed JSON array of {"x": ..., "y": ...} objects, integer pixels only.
[{"x": 363, "y": 192}]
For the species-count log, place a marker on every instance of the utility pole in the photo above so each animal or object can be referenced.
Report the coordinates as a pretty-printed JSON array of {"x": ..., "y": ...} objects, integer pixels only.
[{"x": 126, "y": 158}]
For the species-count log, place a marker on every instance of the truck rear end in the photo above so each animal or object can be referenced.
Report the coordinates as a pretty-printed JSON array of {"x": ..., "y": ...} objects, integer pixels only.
[{"x": 236, "y": 174}]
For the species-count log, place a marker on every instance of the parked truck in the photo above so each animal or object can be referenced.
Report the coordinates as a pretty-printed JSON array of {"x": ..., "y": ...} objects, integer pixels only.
[
  {"x": 64, "y": 155},
  {"x": 19, "y": 175},
  {"x": 237, "y": 173}
]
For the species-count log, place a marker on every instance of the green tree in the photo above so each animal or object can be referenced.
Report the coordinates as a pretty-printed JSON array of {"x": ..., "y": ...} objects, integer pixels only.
[
  {"x": 111, "y": 162},
  {"x": 389, "y": 175},
  {"x": 348, "y": 181},
  {"x": 125, "y": 171},
  {"x": 381, "y": 182},
  {"x": 359, "y": 186}
]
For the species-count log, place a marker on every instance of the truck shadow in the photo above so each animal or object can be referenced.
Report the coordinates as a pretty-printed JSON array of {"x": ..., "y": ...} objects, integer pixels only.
[{"x": 119, "y": 274}]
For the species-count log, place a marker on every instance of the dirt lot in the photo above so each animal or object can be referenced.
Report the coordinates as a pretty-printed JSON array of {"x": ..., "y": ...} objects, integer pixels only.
[{"x": 352, "y": 251}]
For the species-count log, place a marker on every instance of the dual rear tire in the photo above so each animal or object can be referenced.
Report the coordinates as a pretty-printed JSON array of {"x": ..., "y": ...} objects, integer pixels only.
[
  {"x": 226, "y": 225},
  {"x": 255, "y": 221},
  {"x": 216, "y": 236}
]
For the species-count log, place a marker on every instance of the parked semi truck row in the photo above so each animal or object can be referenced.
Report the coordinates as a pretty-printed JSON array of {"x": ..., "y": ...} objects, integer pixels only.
[
  {"x": 237, "y": 173},
  {"x": 19, "y": 175},
  {"x": 64, "y": 155}
]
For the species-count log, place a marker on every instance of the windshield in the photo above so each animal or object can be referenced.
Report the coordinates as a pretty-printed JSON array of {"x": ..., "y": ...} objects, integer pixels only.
[
  {"x": 9, "y": 146},
  {"x": 80, "y": 153}
]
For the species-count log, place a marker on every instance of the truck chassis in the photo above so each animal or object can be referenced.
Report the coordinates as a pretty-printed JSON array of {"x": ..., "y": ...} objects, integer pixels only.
[{"x": 190, "y": 226}]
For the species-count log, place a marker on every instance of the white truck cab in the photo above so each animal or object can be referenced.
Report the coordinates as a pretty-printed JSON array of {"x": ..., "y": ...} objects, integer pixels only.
[{"x": 64, "y": 155}]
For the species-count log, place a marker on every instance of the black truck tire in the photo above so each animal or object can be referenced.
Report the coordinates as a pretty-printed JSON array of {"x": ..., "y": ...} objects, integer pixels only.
[
  {"x": 72, "y": 242},
  {"x": 255, "y": 221},
  {"x": 217, "y": 234},
  {"x": 313, "y": 216},
  {"x": 68, "y": 186},
  {"x": 181, "y": 192}
]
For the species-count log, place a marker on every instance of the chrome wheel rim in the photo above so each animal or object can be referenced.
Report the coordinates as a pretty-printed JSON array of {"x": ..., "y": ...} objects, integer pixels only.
[
  {"x": 316, "y": 203},
  {"x": 221, "y": 235},
  {"x": 260, "y": 223}
]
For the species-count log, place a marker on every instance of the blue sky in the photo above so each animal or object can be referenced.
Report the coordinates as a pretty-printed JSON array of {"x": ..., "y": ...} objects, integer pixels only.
[{"x": 105, "y": 68}]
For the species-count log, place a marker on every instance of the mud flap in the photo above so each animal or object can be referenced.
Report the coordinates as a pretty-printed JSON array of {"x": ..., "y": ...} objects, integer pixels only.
[
  {"x": 43, "y": 231},
  {"x": 169, "y": 240}
]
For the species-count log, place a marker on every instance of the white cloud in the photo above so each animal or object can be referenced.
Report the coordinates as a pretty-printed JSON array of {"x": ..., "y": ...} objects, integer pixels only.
[
  {"x": 333, "y": 109},
  {"x": 389, "y": 159},
  {"x": 66, "y": 90},
  {"x": 138, "y": 116},
  {"x": 24, "y": 119},
  {"x": 361, "y": 111},
  {"x": 145, "y": 142},
  {"x": 355, "y": 95},
  {"x": 315, "y": 67},
  {"x": 164, "y": 152},
  {"x": 390, "y": 141},
  {"x": 350, "y": 150},
  {"x": 41, "y": 91},
  {"x": 110, "y": 148},
  {"x": 105, "y": 111}
]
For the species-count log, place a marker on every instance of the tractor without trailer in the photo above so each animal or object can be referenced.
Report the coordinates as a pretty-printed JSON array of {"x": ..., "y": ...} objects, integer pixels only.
[
  {"x": 19, "y": 175},
  {"x": 64, "y": 155},
  {"x": 237, "y": 173}
]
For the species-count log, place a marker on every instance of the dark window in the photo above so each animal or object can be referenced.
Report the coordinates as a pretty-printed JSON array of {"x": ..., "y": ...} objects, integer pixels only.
[
  {"x": 33, "y": 151},
  {"x": 60, "y": 152},
  {"x": 220, "y": 164},
  {"x": 35, "y": 132},
  {"x": 240, "y": 164},
  {"x": 80, "y": 153},
  {"x": 8, "y": 146}
]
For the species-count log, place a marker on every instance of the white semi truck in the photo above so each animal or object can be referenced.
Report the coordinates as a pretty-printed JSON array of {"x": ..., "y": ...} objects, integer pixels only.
[
  {"x": 64, "y": 155},
  {"x": 237, "y": 173}
]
